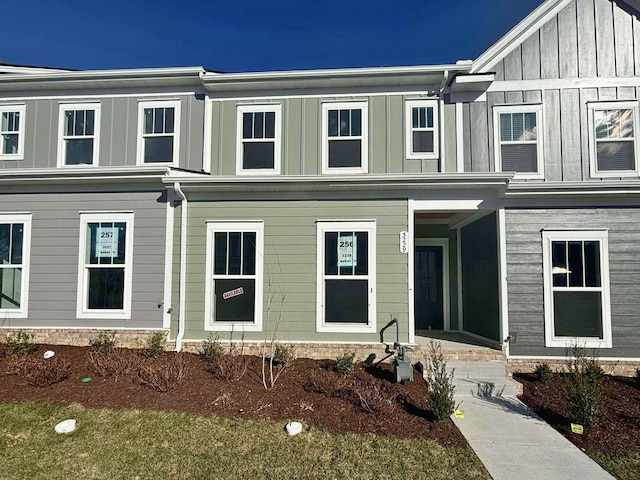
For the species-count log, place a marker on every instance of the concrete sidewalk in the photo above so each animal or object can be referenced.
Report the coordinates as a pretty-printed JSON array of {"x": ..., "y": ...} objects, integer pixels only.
[{"x": 510, "y": 440}]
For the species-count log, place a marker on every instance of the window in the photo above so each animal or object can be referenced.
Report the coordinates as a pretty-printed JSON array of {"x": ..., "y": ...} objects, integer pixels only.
[
  {"x": 234, "y": 276},
  {"x": 105, "y": 265},
  {"x": 79, "y": 131},
  {"x": 613, "y": 146},
  {"x": 576, "y": 288},
  {"x": 518, "y": 140},
  {"x": 422, "y": 129},
  {"x": 12, "y": 132},
  {"x": 344, "y": 148},
  {"x": 346, "y": 276},
  {"x": 15, "y": 235},
  {"x": 158, "y": 127},
  {"x": 258, "y": 149}
]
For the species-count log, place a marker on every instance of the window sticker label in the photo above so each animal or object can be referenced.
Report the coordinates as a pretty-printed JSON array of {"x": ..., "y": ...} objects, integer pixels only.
[
  {"x": 347, "y": 250},
  {"x": 233, "y": 293},
  {"x": 107, "y": 242}
]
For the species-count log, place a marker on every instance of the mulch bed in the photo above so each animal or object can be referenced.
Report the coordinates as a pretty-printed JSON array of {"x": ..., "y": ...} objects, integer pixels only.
[
  {"x": 308, "y": 391},
  {"x": 617, "y": 431}
]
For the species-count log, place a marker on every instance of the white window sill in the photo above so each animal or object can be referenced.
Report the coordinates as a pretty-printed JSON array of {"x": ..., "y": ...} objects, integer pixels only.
[
  {"x": 232, "y": 327},
  {"x": 585, "y": 342}
]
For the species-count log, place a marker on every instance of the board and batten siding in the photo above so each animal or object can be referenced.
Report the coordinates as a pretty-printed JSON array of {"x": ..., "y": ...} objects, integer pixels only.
[
  {"x": 586, "y": 39},
  {"x": 55, "y": 237},
  {"x": 302, "y": 135},
  {"x": 118, "y": 131},
  {"x": 525, "y": 281},
  {"x": 290, "y": 263}
]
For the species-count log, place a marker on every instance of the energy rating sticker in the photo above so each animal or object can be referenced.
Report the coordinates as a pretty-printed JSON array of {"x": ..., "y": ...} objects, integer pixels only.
[
  {"x": 575, "y": 428},
  {"x": 459, "y": 413}
]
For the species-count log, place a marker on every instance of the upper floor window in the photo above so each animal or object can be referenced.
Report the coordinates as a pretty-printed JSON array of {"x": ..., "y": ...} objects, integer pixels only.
[
  {"x": 518, "y": 140},
  {"x": 258, "y": 146},
  {"x": 79, "y": 132},
  {"x": 158, "y": 127},
  {"x": 344, "y": 133},
  {"x": 12, "y": 132},
  {"x": 422, "y": 129},
  {"x": 613, "y": 133},
  {"x": 15, "y": 236}
]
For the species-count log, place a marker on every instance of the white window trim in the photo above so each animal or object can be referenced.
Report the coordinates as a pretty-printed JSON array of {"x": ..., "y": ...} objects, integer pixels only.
[
  {"x": 21, "y": 109},
  {"x": 524, "y": 108},
  {"x": 83, "y": 274},
  {"x": 214, "y": 226},
  {"x": 410, "y": 154},
  {"x": 364, "y": 137},
  {"x": 62, "y": 150},
  {"x": 337, "y": 226},
  {"x": 25, "y": 219},
  {"x": 176, "y": 130},
  {"x": 602, "y": 236},
  {"x": 593, "y": 163},
  {"x": 277, "y": 109}
]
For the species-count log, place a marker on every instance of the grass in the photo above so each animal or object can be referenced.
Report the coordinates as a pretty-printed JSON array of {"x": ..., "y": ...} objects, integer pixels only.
[
  {"x": 624, "y": 466},
  {"x": 147, "y": 445}
]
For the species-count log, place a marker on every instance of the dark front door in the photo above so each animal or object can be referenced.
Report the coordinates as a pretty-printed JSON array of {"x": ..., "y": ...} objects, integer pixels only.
[{"x": 429, "y": 307}]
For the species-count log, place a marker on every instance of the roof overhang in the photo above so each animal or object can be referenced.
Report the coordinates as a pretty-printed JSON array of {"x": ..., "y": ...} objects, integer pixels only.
[{"x": 472, "y": 83}]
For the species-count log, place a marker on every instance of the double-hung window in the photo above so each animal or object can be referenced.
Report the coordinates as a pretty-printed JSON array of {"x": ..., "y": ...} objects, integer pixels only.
[
  {"x": 79, "y": 134},
  {"x": 613, "y": 139},
  {"x": 576, "y": 288},
  {"x": 105, "y": 265},
  {"x": 12, "y": 132},
  {"x": 15, "y": 235},
  {"x": 346, "y": 276},
  {"x": 158, "y": 129},
  {"x": 422, "y": 129},
  {"x": 234, "y": 262},
  {"x": 258, "y": 146},
  {"x": 344, "y": 133},
  {"x": 518, "y": 140}
]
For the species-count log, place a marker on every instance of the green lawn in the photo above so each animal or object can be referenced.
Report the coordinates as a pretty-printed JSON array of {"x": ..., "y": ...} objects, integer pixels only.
[
  {"x": 140, "y": 444},
  {"x": 623, "y": 467}
]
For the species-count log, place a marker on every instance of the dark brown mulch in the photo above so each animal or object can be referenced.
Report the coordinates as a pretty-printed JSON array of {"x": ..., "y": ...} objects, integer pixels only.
[
  {"x": 365, "y": 400},
  {"x": 617, "y": 431}
]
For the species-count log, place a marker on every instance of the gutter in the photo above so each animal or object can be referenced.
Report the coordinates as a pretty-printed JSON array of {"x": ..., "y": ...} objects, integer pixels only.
[{"x": 183, "y": 266}]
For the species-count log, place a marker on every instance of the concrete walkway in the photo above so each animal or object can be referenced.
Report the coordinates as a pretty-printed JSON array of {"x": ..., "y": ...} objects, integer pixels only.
[{"x": 510, "y": 440}]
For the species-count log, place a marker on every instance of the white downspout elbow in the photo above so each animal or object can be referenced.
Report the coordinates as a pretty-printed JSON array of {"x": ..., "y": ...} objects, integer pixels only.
[{"x": 183, "y": 266}]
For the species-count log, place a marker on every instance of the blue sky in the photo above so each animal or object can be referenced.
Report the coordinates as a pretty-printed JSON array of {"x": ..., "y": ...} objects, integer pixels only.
[{"x": 240, "y": 36}]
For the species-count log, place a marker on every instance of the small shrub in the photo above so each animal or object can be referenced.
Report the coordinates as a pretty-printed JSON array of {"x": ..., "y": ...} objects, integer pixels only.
[
  {"x": 585, "y": 382},
  {"x": 440, "y": 387},
  {"x": 325, "y": 383},
  {"x": 229, "y": 367},
  {"x": 374, "y": 398},
  {"x": 344, "y": 363},
  {"x": 543, "y": 371},
  {"x": 40, "y": 372},
  {"x": 20, "y": 343},
  {"x": 121, "y": 361},
  {"x": 163, "y": 373},
  {"x": 104, "y": 343},
  {"x": 212, "y": 350},
  {"x": 155, "y": 345},
  {"x": 284, "y": 354}
]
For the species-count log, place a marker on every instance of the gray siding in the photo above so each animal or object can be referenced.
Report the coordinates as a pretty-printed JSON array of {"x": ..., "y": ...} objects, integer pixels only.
[
  {"x": 524, "y": 269},
  {"x": 480, "y": 299},
  {"x": 55, "y": 236},
  {"x": 118, "y": 131}
]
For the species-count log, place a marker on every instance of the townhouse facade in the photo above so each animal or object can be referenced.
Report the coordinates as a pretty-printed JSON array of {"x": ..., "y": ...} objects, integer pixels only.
[{"x": 496, "y": 197}]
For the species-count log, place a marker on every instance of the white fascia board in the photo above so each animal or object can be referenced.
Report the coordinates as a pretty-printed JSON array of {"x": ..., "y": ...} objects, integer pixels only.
[
  {"x": 472, "y": 83},
  {"x": 20, "y": 70},
  {"x": 517, "y": 35},
  {"x": 107, "y": 74},
  {"x": 74, "y": 175}
]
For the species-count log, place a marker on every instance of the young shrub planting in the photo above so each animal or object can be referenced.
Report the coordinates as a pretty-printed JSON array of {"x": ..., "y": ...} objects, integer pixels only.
[
  {"x": 373, "y": 398},
  {"x": 344, "y": 363},
  {"x": 543, "y": 371},
  {"x": 38, "y": 371},
  {"x": 585, "y": 382},
  {"x": 162, "y": 373},
  {"x": 440, "y": 387},
  {"x": 104, "y": 343},
  {"x": 212, "y": 350},
  {"x": 230, "y": 367},
  {"x": 273, "y": 366},
  {"x": 155, "y": 345},
  {"x": 20, "y": 343},
  {"x": 121, "y": 361}
]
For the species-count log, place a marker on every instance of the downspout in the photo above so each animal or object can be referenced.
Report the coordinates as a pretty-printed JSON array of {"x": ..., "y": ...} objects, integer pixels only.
[{"x": 183, "y": 265}]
